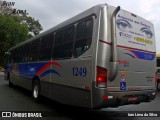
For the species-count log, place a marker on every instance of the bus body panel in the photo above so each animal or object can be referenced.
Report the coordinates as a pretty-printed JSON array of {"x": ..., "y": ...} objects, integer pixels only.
[{"x": 66, "y": 94}]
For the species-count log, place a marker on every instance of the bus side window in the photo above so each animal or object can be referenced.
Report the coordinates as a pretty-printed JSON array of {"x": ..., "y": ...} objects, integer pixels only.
[
  {"x": 25, "y": 57},
  {"x": 6, "y": 58},
  {"x": 63, "y": 46},
  {"x": 34, "y": 51},
  {"x": 11, "y": 58},
  {"x": 46, "y": 47},
  {"x": 14, "y": 56},
  {"x": 83, "y": 37}
]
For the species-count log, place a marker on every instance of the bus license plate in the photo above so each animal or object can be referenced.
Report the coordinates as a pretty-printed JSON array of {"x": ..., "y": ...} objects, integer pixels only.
[{"x": 132, "y": 99}]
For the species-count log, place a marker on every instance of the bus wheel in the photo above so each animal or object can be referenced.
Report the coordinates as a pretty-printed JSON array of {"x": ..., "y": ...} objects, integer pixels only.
[{"x": 36, "y": 91}]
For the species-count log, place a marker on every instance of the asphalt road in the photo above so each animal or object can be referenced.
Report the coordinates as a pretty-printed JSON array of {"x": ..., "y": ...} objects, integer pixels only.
[{"x": 17, "y": 99}]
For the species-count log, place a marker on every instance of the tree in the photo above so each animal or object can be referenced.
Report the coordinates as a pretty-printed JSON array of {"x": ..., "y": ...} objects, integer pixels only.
[
  {"x": 23, "y": 17},
  {"x": 11, "y": 33},
  {"x": 33, "y": 25},
  {"x": 5, "y": 8},
  {"x": 15, "y": 27}
]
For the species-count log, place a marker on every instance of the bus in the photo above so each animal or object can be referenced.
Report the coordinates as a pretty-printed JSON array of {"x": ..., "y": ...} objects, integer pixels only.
[
  {"x": 158, "y": 71},
  {"x": 102, "y": 57}
]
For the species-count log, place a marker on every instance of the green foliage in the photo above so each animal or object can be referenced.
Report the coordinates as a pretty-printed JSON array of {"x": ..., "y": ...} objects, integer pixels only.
[
  {"x": 33, "y": 25},
  {"x": 11, "y": 33},
  {"x": 15, "y": 28}
]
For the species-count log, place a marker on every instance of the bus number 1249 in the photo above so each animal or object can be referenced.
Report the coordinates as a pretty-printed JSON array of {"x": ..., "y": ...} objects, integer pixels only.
[{"x": 82, "y": 71}]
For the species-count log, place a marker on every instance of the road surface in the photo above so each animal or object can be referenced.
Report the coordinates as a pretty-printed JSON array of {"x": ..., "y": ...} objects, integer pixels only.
[{"x": 18, "y": 100}]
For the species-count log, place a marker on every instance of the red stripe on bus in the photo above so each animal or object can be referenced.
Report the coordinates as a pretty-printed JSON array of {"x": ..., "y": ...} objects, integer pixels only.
[
  {"x": 135, "y": 49},
  {"x": 46, "y": 65},
  {"x": 109, "y": 43},
  {"x": 133, "y": 53}
]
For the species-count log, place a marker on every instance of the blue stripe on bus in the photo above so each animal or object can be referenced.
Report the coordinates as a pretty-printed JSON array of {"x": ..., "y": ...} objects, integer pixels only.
[
  {"x": 130, "y": 55},
  {"x": 141, "y": 55},
  {"x": 144, "y": 55},
  {"x": 30, "y": 69}
]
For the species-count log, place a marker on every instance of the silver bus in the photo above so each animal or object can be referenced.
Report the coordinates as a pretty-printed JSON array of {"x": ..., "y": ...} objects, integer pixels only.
[{"x": 103, "y": 57}]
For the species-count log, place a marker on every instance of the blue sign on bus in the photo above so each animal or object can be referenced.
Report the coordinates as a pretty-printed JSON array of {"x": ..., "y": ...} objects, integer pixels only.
[{"x": 122, "y": 85}]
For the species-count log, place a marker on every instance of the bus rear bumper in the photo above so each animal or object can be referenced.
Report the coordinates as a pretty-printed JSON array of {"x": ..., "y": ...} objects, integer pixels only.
[{"x": 115, "y": 99}]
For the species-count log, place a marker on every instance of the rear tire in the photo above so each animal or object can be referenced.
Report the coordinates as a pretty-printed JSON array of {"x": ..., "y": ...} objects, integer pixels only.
[{"x": 36, "y": 91}]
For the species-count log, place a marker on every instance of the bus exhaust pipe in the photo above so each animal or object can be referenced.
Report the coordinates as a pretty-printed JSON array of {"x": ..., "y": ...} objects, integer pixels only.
[{"x": 114, "y": 64}]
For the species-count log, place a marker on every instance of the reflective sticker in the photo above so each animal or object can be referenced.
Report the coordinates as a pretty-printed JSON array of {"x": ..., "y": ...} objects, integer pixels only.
[
  {"x": 123, "y": 62},
  {"x": 122, "y": 85},
  {"x": 123, "y": 73},
  {"x": 123, "y": 78}
]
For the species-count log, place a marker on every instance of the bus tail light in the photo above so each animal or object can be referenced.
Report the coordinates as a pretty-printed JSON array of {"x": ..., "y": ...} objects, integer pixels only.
[{"x": 101, "y": 80}]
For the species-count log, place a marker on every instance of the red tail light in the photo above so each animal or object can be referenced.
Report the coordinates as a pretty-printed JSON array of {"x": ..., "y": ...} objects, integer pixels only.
[{"x": 101, "y": 77}]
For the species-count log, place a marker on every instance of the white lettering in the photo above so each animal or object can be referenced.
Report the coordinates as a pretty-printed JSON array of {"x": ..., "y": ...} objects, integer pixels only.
[
  {"x": 130, "y": 114},
  {"x": 34, "y": 115},
  {"x": 145, "y": 114},
  {"x": 138, "y": 114},
  {"x": 19, "y": 114},
  {"x": 153, "y": 114}
]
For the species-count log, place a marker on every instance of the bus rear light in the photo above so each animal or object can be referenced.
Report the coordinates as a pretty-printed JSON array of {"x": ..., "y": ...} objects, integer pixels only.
[
  {"x": 107, "y": 97},
  {"x": 101, "y": 80}
]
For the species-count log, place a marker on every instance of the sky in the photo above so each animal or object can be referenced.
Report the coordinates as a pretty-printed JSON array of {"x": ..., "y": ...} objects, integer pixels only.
[{"x": 52, "y": 12}]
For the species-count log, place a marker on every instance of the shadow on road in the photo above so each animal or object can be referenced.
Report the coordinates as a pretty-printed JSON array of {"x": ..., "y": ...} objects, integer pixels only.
[
  {"x": 76, "y": 113},
  {"x": 72, "y": 112}
]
